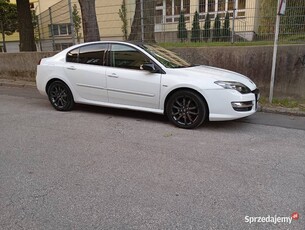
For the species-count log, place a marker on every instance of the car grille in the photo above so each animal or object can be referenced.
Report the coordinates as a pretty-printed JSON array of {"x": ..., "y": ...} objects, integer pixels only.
[
  {"x": 246, "y": 106},
  {"x": 257, "y": 95}
]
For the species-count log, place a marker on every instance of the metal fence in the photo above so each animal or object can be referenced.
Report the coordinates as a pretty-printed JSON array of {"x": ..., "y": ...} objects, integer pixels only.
[{"x": 173, "y": 21}]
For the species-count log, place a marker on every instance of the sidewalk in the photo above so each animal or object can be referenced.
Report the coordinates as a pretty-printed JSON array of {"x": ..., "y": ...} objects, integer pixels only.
[
  {"x": 13, "y": 83},
  {"x": 266, "y": 109}
]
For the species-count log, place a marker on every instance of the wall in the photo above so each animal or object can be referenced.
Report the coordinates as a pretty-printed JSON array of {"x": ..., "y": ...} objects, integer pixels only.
[
  {"x": 20, "y": 66},
  {"x": 254, "y": 62}
]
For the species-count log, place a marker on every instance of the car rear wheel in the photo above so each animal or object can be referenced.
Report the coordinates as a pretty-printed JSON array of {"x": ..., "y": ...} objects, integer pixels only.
[
  {"x": 60, "y": 96},
  {"x": 186, "y": 109}
]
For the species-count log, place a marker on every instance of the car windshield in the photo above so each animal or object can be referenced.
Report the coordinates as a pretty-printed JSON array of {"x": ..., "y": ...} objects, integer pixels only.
[{"x": 168, "y": 58}]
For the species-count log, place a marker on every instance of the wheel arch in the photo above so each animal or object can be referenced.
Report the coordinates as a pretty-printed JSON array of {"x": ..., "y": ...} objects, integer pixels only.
[
  {"x": 53, "y": 80},
  {"x": 62, "y": 98},
  {"x": 189, "y": 89}
]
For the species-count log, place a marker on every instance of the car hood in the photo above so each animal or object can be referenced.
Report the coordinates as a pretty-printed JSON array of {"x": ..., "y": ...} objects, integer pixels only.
[{"x": 217, "y": 74}]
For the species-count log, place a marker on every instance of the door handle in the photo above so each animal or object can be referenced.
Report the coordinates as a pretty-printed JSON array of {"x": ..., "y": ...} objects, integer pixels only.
[
  {"x": 113, "y": 75},
  {"x": 71, "y": 68}
]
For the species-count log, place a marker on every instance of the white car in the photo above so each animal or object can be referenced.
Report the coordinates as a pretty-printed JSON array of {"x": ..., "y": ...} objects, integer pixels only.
[{"x": 147, "y": 78}]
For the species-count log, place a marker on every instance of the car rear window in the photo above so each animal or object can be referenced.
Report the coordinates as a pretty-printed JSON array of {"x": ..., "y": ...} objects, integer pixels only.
[{"x": 90, "y": 54}]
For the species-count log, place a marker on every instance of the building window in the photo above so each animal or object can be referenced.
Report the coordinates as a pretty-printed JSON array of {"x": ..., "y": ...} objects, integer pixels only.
[
  {"x": 62, "y": 46},
  {"x": 159, "y": 11},
  {"x": 221, "y": 6},
  {"x": 169, "y": 10},
  {"x": 60, "y": 29},
  {"x": 211, "y": 5}
]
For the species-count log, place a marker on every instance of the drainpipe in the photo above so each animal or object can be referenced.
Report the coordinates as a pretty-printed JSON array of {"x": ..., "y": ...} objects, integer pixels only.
[
  {"x": 233, "y": 21},
  {"x": 51, "y": 22},
  {"x": 142, "y": 22},
  {"x": 71, "y": 22}
]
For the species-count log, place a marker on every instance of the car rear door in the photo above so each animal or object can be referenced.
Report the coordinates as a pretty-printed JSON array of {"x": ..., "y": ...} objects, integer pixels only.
[{"x": 85, "y": 68}]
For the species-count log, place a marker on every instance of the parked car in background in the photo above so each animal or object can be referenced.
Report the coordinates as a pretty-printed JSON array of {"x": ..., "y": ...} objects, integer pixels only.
[{"x": 144, "y": 77}]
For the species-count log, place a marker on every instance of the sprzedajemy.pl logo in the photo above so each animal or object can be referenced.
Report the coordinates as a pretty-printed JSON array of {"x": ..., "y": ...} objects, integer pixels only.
[{"x": 272, "y": 219}]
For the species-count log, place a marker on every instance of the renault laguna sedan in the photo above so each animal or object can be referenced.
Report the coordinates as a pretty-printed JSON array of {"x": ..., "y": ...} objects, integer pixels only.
[{"x": 144, "y": 77}]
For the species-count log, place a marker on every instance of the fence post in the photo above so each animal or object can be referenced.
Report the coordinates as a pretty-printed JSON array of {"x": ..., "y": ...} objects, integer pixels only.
[
  {"x": 71, "y": 21},
  {"x": 276, "y": 40},
  {"x": 51, "y": 24},
  {"x": 39, "y": 32}
]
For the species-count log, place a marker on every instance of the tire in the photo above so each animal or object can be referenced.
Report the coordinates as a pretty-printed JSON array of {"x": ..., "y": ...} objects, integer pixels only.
[
  {"x": 60, "y": 96},
  {"x": 186, "y": 109}
]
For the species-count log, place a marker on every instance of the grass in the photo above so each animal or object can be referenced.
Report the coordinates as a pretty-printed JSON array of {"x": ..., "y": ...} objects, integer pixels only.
[
  {"x": 211, "y": 44},
  {"x": 221, "y": 44},
  {"x": 284, "y": 102}
]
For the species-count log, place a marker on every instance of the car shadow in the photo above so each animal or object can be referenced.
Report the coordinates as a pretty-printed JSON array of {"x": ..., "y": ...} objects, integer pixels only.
[{"x": 140, "y": 115}]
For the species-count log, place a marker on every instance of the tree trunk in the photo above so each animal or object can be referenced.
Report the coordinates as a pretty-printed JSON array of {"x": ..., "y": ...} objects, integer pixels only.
[
  {"x": 149, "y": 8},
  {"x": 89, "y": 21},
  {"x": 26, "y": 30},
  {"x": 3, "y": 37}
]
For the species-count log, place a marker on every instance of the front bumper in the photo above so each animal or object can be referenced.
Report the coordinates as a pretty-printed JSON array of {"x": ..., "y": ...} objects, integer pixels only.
[
  {"x": 244, "y": 106},
  {"x": 227, "y": 104}
]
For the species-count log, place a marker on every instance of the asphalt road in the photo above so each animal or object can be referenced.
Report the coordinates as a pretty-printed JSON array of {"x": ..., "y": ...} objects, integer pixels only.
[{"x": 101, "y": 168}]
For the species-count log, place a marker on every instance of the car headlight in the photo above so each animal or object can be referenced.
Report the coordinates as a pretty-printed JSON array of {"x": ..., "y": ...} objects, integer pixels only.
[{"x": 234, "y": 85}]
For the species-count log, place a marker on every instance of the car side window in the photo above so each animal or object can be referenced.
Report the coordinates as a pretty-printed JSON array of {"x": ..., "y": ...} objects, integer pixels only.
[
  {"x": 123, "y": 56},
  {"x": 72, "y": 56},
  {"x": 93, "y": 54}
]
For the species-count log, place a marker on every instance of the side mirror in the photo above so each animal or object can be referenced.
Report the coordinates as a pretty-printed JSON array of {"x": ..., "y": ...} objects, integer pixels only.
[{"x": 149, "y": 67}]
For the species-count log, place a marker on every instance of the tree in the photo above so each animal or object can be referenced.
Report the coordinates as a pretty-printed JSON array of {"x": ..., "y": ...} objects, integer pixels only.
[
  {"x": 267, "y": 17},
  {"x": 217, "y": 30},
  {"x": 196, "y": 28},
  {"x": 182, "y": 31},
  {"x": 8, "y": 20},
  {"x": 26, "y": 29},
  {"x": 77, "y": 21},
  {"x": 291, "y": 23},
  {"x": 89, "y": 20},
  {"x": 136, "y": 33},
  {"x": 123, "y": 17},
  {"x": 207, "y": 28},
  {"x": 294, "y": 19},
  {"x": 226, "y": 28}
]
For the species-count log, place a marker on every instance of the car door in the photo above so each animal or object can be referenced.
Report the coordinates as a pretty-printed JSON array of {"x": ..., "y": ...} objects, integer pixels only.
[
  {"x": 127, "y": 82},
  {"x": 85, "y": 68}
]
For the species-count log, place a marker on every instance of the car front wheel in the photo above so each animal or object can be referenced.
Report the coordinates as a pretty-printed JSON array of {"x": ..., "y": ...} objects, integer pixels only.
[
  {"x": 186, "y": 109},
  {"x": 60, "y": 96}
]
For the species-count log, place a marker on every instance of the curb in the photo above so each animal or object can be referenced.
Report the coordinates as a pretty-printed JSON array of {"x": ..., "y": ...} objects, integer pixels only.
[
  {"x": 265, "y": 109},
  {"x": 20, "y": 84},
  {"x": 282, "y": 110}
]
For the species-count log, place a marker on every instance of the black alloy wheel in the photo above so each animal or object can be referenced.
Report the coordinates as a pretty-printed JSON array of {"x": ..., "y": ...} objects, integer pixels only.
[
  {"x": 186, "y": 109},
  {"x": 60, "y": 96}
]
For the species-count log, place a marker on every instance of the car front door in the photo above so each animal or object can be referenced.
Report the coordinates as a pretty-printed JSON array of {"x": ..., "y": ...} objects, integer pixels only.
[
  {"x": 127, "y": 82},
  {"x": 85, "y": 68}
]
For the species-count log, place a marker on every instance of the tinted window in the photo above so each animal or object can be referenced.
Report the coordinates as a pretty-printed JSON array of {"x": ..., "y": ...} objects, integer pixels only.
[
  {"x": 93, "y": 54},
  {"x": 166, "y": 57},
  {"x": 72, "y": 56},
  {"x": 123, "y": 56}
]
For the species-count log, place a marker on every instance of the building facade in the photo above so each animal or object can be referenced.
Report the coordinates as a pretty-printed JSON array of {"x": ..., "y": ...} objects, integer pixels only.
[{"x": 56, "y": 19}]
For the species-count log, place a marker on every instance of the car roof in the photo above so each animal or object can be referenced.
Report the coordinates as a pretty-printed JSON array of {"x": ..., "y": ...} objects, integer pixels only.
[{"x": 137, "y": 43}]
